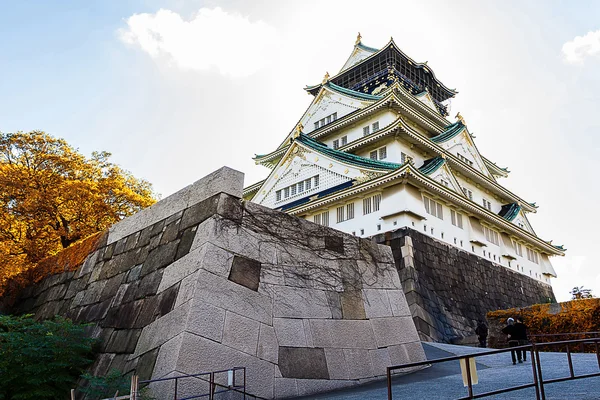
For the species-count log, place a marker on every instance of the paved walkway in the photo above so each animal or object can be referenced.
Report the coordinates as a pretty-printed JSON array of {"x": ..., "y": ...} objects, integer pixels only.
[{"x": 443, "y": 381}]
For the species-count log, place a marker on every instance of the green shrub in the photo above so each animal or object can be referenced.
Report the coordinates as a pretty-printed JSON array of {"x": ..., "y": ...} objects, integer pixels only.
[{"x": 41, "y": 360}]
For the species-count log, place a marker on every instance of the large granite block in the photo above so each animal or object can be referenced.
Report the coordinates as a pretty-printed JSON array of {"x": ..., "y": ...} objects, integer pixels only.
[
  {"x": 241, "y": 333},
  {"x": 303, "y": 363}
]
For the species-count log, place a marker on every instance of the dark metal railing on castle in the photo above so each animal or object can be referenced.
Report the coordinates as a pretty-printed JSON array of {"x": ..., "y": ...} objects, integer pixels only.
[{"x": 538, "y": 382}]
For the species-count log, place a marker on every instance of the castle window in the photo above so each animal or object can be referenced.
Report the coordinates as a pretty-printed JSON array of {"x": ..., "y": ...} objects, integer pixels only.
[
  {"x": 468, "y": 193},
  {"x": 307, "y": 183},
  {"x": 300, "y": 186},
  {"x": 378, "y": 154},
  {"x": 316, "y": 181},
  {"x": 367, "y": 206},
  {"x": 454, "y": 240},
  {"x": 293, "y": 190},
  {"x": 317, "y": 219},
  {"x": 286, "y": 192},
  {"x": 376, "y": 202},
  {"x": 317, "y": 125},
  {"x": 334, "y": 116},
  {"x": 532, "y": 255},
  {"x": 344, "y": 140},
  {"x": 349, "y": 210},
  {"x": 336, "y": 144},
  {"x": 378, "y": 227},
  {"x": 445, "y": 182},
  {"x": 375, "y": 126},
  {"x": 518, "y": 248},
  {"x": 278, "y": 195},
  {"x": 487, "y": 204},
  {"x": 434, "y": 208},
  {"x": 362, "y": 231},
  {"x": 403, "y": 158},
  {"x": 340, "y": 214},
  {"x": 461, "y": 243},
  {"x": 464, "y": 159},
  {"x": 491, "y": 235},
  {"x": 328, "y": 119},
  {"x": 345, "y": 213},
  {"x": 366, "y": 130},
  {"x": 456, "y": 219}
]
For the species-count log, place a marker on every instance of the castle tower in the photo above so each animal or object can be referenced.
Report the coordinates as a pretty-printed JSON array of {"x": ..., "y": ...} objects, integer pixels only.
[{"x": 376, "y": 151}]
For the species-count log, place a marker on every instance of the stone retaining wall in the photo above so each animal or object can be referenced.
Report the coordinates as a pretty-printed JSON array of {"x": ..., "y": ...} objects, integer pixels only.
[
  {"x": 203, "y": 281},
  {"x": 448, "y": 290}
]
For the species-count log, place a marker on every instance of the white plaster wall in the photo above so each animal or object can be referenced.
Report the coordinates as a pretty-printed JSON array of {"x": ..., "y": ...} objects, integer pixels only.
[
  {"x": 355, "y": 131},
  {"x": 329, "y": 104},
  {"x": 443, "y": 230}
]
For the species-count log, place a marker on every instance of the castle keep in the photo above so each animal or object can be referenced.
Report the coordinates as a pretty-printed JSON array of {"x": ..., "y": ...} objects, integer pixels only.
[{"x": 376, "y": 152}]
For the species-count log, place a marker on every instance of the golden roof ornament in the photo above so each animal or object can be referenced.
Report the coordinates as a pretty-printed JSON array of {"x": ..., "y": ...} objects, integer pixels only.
[
  {"x": 298, "y": 130},
  {"x": 325, "y": 78},
  {"x": 358, "y": 37},
  {"x": 460, "y": 118}
]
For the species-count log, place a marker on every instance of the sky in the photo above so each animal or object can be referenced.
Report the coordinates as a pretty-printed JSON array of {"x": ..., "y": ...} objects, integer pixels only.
[{"x": 176, "y": 89}]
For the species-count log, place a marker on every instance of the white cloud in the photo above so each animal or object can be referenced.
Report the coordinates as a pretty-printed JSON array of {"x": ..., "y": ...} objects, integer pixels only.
[
  {"x": 576, "y": 50},
  {"x": 212, "y": 38}
]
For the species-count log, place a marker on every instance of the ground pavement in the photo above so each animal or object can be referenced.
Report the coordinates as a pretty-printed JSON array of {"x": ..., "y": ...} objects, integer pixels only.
[{"x": 443, "y": 381}]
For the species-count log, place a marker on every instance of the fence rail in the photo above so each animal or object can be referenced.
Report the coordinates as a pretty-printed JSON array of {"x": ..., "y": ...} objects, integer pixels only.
[{"x": 534, "y": 349}]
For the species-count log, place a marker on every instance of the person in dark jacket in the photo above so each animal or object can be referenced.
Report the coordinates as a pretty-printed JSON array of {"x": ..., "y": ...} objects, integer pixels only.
[
  {"x": 520, "y": 334},
  {"x": 509, "y": 331},
  {"x": 482, "y": 333}
]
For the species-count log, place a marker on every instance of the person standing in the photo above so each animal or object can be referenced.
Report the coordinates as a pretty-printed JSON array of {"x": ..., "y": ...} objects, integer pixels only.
[
  {"x": 509, "y": 331},
  {"x": 482, "y": 333},
  {"x": 520, "y": 334}
]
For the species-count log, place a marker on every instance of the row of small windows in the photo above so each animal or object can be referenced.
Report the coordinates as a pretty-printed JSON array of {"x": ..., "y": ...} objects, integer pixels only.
[
  {"x": 296, "y": 188},
  {"x": 379, "y": 154},
  {"x": 457, "y": 219},
  {"x": 324, "y": 121},
  {"x": 433, "y": 207},
  {"x": 491, "y": 235},
  {"x": 343, "y": 140},
  {"x": 464, "y": 159},
  {"x": 487, "y": 204},
  {"x": 532, "y": 255},
  {"x": 371, "y": 204},
  {"x": 374, "y": 127},
  {"x": 321, "y": 219},
  {"x": 468, "y": 193},
  {"x": 345, "y": 213}
]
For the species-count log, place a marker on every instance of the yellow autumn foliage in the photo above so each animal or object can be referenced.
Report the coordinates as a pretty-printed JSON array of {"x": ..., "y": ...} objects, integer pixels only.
[{"x": 52, "y": 196}]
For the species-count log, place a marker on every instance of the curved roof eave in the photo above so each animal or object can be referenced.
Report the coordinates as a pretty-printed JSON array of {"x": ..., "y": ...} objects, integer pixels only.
[{"x": 408, "y": 170}]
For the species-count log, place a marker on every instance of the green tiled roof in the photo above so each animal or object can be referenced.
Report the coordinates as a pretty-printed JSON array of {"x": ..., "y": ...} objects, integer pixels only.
[
  {"x": 345, "y": 157},
  {"x": 510, "y": 211},
  {"x": 353, "y": 93},
  {"x": 367, "y": 48},
  {"x": 451, "y": 131},
  {"x": 432, "y": 165}
]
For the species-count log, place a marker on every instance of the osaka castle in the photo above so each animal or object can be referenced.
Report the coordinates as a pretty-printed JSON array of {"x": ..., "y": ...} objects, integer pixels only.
[{"x": 377, "y": 151}]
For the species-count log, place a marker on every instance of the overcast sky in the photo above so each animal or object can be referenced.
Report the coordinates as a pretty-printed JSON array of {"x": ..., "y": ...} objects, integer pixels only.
[{"x": 176, "y": 89}]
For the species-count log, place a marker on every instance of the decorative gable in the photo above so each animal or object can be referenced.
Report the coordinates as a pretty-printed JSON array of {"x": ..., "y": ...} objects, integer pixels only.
[{"x": 462, "y": 146}]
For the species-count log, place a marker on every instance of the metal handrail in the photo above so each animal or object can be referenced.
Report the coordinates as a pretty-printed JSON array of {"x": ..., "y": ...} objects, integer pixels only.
[{"x": 534, "y": 349}]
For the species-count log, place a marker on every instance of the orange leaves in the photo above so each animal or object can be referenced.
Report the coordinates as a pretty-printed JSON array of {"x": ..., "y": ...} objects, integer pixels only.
[{"x": 52, "y": 196}]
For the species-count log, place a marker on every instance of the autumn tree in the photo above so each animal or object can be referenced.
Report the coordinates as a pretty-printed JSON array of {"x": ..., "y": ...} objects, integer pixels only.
[{"x": 52, "y": 196}]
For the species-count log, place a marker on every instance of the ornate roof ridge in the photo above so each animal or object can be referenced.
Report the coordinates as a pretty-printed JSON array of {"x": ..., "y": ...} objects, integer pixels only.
[
  {"x": 350, "y": 92},
  {"x": 343, "y": 156},
  {"x": 451, "y": 131},
  {"x": 510, "y": 211},
  {"x": 431, "y": 165}
]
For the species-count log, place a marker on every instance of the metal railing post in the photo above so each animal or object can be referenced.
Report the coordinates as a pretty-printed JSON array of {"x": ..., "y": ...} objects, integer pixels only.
[
  {"x": 211, "y": 394},
  {"x": 176, "y": 387},
  {"x": 469, "y": 382},
  {"x": 534, "y": 371},
  {"x": 540, "y": 376},
  {"x": 389, "y": 383},
  {"x": 570, "y": 360},
  {"x": 244, "y": 383}
]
